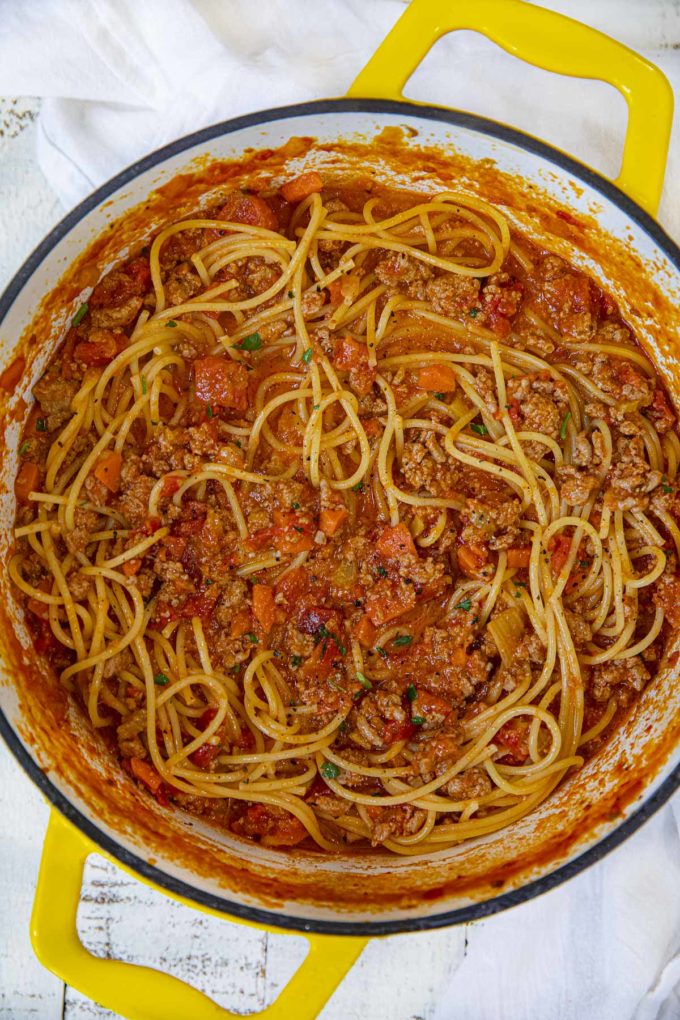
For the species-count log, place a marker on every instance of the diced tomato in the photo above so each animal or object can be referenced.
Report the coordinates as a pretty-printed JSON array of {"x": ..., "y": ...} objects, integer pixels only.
[
  {"x": 310, "y": 619},
  {"x": 387, "y": 601},
  {"x": 427, "y": 703},
  {"x": 207, "y": 717},
  {"x": 519, "y": 556},
  {"x": 293, "y": 585},
  {"x": 394, "y": 731},
  {"x": 12, "y": 374},
  {"x": 107, "y": 470},
  {"x": 396, "y": 542},
  {"x": 221, "y": 382},
  {"x": 245, "y": 740},
  {"x": 500, "y": 302},
  {"x": 264, "y": 607},
  {"x": 515, "y": 736},
  {"x": 146, "y": 774},
  {"x": 437, "y": 378},
  {"x": 44, "y": 640},
  {"x": 27, "y": 480},
  {"x": 204, "y": 755},
  {"x": 171, "y": 485},
  {"x": 192, "y": 521},
  {"x": 365, "y": 632},
  {"x": 559, "y": 551},
  {"x": 241, "y": 623},
  {"x": 331, "y": 520},
  {"x": 101, "y": 349},
  {"x": 175, "y": 546},
  {"x": 200, "y": 604},
  {"x": 349, "y": 356},
  {"x": 302, "y": 187},
  {"x": 274, "y": 826},
  {"x": 335, "y": 292},
  {"x": 291, "y": 534},
  {"x": 661, "y": 412},
  {"x": 514, "y": 411},
  {"x": 131, "y": 567},
  {"x": 249, "y": 209},
  {"x": 139, "y": 272},
  {"x": 472, "y": 559},
  {"x": 39, "y": 609}
]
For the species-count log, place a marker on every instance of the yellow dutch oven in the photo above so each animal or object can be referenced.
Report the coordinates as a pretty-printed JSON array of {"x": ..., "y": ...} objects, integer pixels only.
[{"x": 340, "y": 902}]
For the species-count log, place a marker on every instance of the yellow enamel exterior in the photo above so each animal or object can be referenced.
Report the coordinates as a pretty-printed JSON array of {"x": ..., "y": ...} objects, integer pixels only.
[
  {"x": 537, "y": 36},
  {"x": 550, "y": 41},
  {"x": 142, "y": 993}
]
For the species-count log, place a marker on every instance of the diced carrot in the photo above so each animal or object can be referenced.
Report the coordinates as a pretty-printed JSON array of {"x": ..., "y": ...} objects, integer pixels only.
[
  {"x": 458, "y": 656},
  {"x": 131, "y": 567},
  {"x": 331, "y": 520},
  {"x": 97, "y": 352},
  {"x": 12, "y": 374},
  {"x": 264, "y": 608},
  {"x": 559, "y": 551},
  {"x": 365, "y": 632},
  {"x": 335, "y": 292},
  {"x": 27, "y": 480},
  {"x": 301, "y": 187},
  {"x": 221, "y": 382},
  {"x": 107, "y": 470},
  {"x": 348, "y": 354},
  {"x": 438, "y": 378},
  {"x": 427, "y": 703},
  {"x": 519, "y": 556},
  {"x": 386, "y": 601},
  {"x": 472, "y": 558},
  {"x": 241, "y": 623},
  {"x": 293, "y": 585},
  {"x": 39, "y": 609},
  {"x": 146, "y": 774},
  {"x": 171, "y": 485},
  {"x": 396, "y": 542}
]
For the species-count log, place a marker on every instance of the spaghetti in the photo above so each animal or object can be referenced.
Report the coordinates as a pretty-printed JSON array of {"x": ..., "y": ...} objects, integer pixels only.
[{"x": 350, "y": 516}]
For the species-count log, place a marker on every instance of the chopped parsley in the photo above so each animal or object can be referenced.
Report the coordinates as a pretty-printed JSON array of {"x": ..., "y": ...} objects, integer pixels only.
[
  {"x": 563, "y": 426},
  {"x": 359, "y": 487},
  {"x": 291, "y": 294},
  {"x": 381, "y": 651},
  {"x": 295, "y": 661},
  {"x": 324, "y": 633},
  {"x": 307, "y": 355},
  {"x": 417, "y": 720},
  {"x": 80, "y": 314},
  {"x": 296, "y": 527},
  {"x": 465, "y": 604},
  {"x": 584, "y": 563},
  {"x": 171, "y": 323},
  {"x": 252, "y": 342},
  {"x": 41, "y": 425},
  {"x": 24, "y": 448},
  {"x": 411, "y": 692},
  {"x": 209, "y": 411},
  {"x": 252, "y": 637},
  {"x": 209, "y": 580},
  {"x": 364, "y": 681},
  {"x": 381, "y": 572},
  {"x": 144, "y": 386},
  {"x": 161, "y": 679},
  {"x": 665, "y": 486},
  {"x": 440, "y": 396},
  {"x": 474, "y": 312},
  {"x": 403, "y": 639},
  {"x": 329, "y": 770},
  {"x": 481, "y": 430},
  {"x": 295, "y": 506}
]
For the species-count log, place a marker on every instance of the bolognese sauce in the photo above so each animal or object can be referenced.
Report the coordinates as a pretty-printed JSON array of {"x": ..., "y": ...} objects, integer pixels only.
[{"x": 350, "y": 516}]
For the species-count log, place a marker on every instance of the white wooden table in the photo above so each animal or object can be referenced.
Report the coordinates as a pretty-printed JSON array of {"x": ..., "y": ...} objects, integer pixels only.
[{"x": 400, "y": 978}]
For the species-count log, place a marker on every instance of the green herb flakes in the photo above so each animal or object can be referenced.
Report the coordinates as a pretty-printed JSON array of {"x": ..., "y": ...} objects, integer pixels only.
[
  {"x": 80, "y": 314},
  {"x": 364, "y": 681},
  {"x": 252, "y": 342},
  {"x": 481, "y": 430},
  {"x": 401, "y": 640},
  {"x": 171, "y": 323},
  {"x": 359, "y": 487},
  {"x": 41, "y": 425},
  {"x": 295, "y": 661},
  {"x": 465, "y": 604},
  {"x": 411, "y": 692},
  {"x": 252, "y": 637},
  {"x": 161, "y": 679},
  {"x": 24, "y": 448},
  {"x": 329, "y": 770},
  {"x": 418, "y": 720},
  {"x": 381, "y": 572},
  {"x": 563, "y": 426},
  {"x": 381, "y": 652},
  {"x": 209, "y": 411},
  {"x": 307, "y": 355}
]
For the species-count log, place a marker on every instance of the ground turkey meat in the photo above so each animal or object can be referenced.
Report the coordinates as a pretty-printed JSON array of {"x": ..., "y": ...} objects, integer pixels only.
[
  {"x": 403, "y": 274},
  {"x": 469, "y": 785},
  {"x": 54, "y": 394},
  {"x": 135, "y": 491},
  {"x": 182, "y": 283},
  {"x": 568, "y": 298},
  {"x": 623, "y": 677},
  {"x": 383, "y": 705},
  {"x": 619, "y": 378},
  {"x": 630, "y": 479},
  {"x": 495, "y": 524},
  {"x": 541, "y": 403},
  {"x": 576, "y": 486},
  {"x": 453, "y": 295},
  {"x": 396, "y": 820},
  {"x": 426, "y": 472}
]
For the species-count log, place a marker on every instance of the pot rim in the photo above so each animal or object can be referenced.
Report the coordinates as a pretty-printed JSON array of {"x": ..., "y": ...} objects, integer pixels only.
[{"x": 111, "y": 847}]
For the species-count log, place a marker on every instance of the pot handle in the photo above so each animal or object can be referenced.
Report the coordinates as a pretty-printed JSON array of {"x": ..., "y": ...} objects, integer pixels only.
[
  {"x": 553, "y": 42},
  {"x": 143, "y": 993}
]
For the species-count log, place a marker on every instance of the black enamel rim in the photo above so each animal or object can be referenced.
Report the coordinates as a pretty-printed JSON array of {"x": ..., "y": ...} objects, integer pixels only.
[{"x": 113, "y": 849}]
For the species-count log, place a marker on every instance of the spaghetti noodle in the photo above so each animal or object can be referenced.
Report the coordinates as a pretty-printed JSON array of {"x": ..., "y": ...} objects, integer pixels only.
[{"x": 350, "y": 516}]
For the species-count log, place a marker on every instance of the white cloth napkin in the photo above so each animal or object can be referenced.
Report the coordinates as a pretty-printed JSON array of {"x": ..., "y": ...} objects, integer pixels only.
[{"x": 122, "y": 77}]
